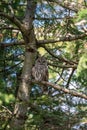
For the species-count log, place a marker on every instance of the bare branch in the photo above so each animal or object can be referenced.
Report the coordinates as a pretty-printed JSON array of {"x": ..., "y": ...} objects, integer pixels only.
[
  {"x": 15, "y": 43},
  {"x": 73, "y": 6},
  {"x": 8, "y": 27},
  {"x": 11, "y": 67},
  {"x": 67, "y": 91},
  {"x": 61, "y": 39},
  {"x": 69, "y": 79},
  {"x": 6, "y": 109},
  {"x": 59, "y": 57},
  {"x": 13, "y": 19},
  {"x": 63, "y": 66},
  {"x": 41, "y": 42}
]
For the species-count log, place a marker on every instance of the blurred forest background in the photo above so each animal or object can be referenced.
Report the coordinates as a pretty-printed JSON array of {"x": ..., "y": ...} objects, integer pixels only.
[{"x": 60, "y": 29}]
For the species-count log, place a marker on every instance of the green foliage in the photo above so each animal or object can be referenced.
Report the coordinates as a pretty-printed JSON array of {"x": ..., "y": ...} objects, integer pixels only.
[
  {"x": 82, "y": 69},
  {"x": 45, "y": 111},
  {"x": 82, "y": 15},
  {"x": 6, "y": 98}
]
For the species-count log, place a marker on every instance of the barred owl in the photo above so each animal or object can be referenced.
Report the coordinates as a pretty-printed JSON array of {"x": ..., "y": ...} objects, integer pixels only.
[{"x": 40, "y": 72}]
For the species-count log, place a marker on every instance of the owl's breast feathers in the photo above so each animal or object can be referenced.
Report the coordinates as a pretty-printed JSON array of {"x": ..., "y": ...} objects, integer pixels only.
[
  {"x": 40, "y": 70},
  {"x": 40, "y": 73}
]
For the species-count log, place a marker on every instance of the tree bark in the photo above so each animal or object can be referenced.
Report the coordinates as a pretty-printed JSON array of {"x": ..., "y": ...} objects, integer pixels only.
[{"x": 22, "y": 103}]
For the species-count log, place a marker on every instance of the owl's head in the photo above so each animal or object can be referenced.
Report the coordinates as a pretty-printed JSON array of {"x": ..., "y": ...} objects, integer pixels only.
[{"x": 41, "y": 60}]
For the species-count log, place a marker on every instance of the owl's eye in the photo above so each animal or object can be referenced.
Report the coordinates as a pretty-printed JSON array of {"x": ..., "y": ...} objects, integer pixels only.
[
  {"x": 44, "y": 61},
  {"x": 38, "y": 60}
]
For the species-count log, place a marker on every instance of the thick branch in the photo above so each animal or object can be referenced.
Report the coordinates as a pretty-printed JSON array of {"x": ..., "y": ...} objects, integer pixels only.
[
  {"x": 41, "y": 42},
  {"x": 61, "y": 39},
  {"x": 67, "y": 91},
  {"x": 15, "y": 43}
]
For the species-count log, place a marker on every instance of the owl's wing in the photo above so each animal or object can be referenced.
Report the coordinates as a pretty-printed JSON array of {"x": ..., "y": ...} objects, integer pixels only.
[
  {"x": 46, "y": 74},
  {"x": 33, "y": 72}
]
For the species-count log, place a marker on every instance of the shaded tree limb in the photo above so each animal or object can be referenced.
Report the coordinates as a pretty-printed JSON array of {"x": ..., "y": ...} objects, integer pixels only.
[
  {"x": 60, "y": 76},
  {"x": 61, "y": 39},
  {"x": 13, "y": 19},
  {"x": 11, "y": 67},
  {"x": 69, "y": 79},
  {"x": 59, "y": 57},
  {"x": 6, "y": 109},
  {"x": 62, "y": 66},
  {"x": 40, "y": 43},
  {"x": 65, "y": 90},
  {"x": 15, "y": 43},
  {"x": 73, "y": 6}
]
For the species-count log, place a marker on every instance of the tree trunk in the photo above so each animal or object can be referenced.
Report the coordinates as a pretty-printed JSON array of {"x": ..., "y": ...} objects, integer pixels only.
[{"x": 21, "y": 106}]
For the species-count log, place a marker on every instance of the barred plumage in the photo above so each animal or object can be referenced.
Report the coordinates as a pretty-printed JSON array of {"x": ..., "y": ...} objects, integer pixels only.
[{"x": 40, "y": 71}]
